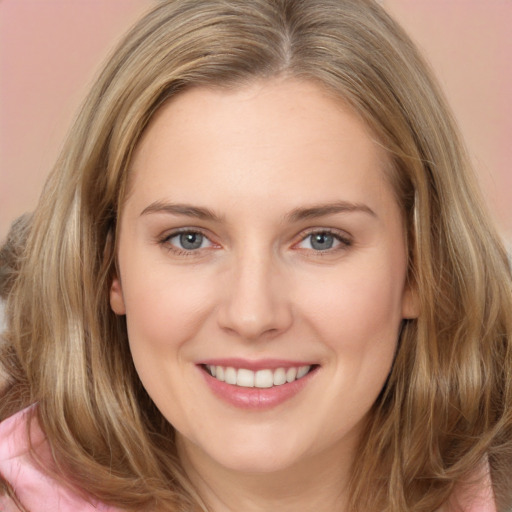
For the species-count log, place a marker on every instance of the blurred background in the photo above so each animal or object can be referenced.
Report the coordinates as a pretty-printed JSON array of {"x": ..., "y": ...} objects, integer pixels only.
[{"x": 51, "y": 50}]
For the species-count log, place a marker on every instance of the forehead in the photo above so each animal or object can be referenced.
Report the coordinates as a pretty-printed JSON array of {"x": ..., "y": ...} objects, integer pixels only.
[{"x": 277, "y": 135}]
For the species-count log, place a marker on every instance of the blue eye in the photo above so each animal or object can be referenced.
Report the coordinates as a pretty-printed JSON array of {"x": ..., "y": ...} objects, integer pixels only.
[
  {"x": 323, "y": 241},
  {"x": 189, "y": 241}
]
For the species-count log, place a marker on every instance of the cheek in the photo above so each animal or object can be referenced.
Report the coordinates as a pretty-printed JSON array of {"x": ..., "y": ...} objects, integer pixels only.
[
  {"x": 358, "y": 308},
  {"x": 357, "y": 315},
  {"x": 165, "y": 310},
  {"x": 164, "y": 314}
]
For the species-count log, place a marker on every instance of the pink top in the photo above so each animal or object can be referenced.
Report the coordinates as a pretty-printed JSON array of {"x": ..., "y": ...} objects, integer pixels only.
[
  {"x": 36, "y": 491},
  {"x": 40, "y": 493}
]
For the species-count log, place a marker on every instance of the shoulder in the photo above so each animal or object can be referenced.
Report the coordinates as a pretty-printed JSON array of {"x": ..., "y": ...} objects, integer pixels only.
[
  {"x": 20, "y": 437},
  {"x": 475, "y": 494}
]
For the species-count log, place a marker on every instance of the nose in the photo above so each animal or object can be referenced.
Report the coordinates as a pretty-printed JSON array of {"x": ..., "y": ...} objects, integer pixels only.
[{"x": 255, "y": 303}]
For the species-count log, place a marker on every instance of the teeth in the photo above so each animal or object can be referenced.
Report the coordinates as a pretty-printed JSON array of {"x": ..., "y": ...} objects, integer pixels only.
[
  {"x": 264, "y": 379},
  {"x": 259, "y": 379},
  {"x": 291, "y": 374},
  {"x": 279, "y": 377},
  {"x": 302, "y": 371},
  {"x": 245, "y": 378},
  {"x": 230, "y": 375}
]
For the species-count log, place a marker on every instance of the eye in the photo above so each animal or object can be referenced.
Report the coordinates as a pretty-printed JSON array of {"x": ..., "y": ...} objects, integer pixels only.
[
  {"x": 188, "y": 241},
  {"x": 323, "y": 241}
]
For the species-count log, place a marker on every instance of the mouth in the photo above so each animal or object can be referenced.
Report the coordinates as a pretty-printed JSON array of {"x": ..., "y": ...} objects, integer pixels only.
[{"x": 262, "y": 379}]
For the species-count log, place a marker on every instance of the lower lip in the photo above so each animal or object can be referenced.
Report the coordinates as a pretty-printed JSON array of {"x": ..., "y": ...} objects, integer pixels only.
[{"x": 256, "y": 398}]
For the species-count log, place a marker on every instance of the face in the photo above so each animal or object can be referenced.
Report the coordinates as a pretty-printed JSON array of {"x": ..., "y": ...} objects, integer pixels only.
[{"x": 262, "y": 265}]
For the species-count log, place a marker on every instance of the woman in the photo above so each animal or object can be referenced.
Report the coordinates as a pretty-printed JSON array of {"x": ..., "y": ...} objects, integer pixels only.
[{"x": 260, "y": 276}]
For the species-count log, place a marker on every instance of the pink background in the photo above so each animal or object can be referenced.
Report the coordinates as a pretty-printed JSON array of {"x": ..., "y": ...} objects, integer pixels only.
[{"x": 50, "y": 51}]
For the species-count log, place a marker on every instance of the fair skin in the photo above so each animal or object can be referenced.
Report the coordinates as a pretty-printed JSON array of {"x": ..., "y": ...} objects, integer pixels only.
[{"x": 261, "y": 234}]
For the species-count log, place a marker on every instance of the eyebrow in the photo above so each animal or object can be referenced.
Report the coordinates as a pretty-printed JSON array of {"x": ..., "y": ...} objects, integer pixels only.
[
  {"x": 181, "y": 209},
  {"x": 321, "y": 210},
  {"x": 296, "y": 215}
]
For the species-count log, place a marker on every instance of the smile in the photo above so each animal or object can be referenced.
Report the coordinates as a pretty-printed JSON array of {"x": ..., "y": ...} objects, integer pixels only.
[
  {"x": 257, "y": 385},
  {"x": 264, "y": 378}
]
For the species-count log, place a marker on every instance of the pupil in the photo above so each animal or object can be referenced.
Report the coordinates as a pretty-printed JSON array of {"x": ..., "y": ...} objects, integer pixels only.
[
  {"x": 322, "y": 241},
  {"x": 191, "y": 241}
]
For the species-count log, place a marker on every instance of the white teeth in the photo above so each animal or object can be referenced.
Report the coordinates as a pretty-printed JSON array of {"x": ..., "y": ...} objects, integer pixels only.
[
  {"x": 230, "y": 375},
  {"x": 302, "y": 371},
  {"x": 279, "y": 377},
  {"x": 245, "y": 378},
  {"x": 291, "y": 374},
  {"x": 259, "y": 379},
  {"x": 264, "y": 379}
]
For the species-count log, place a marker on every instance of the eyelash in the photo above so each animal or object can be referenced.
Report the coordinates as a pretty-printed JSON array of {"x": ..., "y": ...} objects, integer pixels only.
[
  {"x": 344, "y": 241},
  {"x": 165, "y": 241}
]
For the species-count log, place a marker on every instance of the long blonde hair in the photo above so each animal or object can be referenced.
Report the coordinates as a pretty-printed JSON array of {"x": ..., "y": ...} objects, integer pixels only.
[{"x": 447, "y": 404}]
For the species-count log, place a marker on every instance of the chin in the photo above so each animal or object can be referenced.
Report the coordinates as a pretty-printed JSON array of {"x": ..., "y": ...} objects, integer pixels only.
[
  {"x": 258, "y": 455},
  {"x": 251, "y": 463}
]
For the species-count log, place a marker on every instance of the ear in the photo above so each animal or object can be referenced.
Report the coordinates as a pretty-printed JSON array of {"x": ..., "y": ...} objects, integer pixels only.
[
  {"x": 410, "y": 302},
  {"x": 116, "y": 297}
]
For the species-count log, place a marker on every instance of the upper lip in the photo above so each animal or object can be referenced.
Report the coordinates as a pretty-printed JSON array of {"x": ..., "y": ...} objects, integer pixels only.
[{"x": 255, "y": 364}]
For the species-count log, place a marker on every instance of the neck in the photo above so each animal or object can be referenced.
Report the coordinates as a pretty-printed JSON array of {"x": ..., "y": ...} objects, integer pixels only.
[{"x": 317, "y": 483}]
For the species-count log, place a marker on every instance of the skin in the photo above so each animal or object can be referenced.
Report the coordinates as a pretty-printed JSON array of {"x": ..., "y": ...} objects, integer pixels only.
[{"x": 257, "y": 288}]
